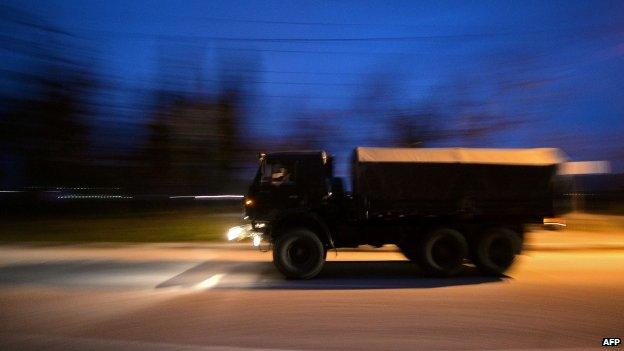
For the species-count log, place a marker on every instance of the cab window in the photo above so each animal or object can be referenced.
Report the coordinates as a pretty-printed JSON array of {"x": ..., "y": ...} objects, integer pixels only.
[{"x": 278, "y": 173}]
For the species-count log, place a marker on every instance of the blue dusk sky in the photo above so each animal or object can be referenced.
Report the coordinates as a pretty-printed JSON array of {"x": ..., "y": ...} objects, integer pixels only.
[{"x": 555, "y": 67}]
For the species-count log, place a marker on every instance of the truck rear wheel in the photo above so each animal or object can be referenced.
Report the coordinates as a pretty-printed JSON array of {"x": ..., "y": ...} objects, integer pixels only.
[
  {"x": 442, "y": 252},
  {"x": 495, "y": 250},
  {"x": 299, "y": 254}
]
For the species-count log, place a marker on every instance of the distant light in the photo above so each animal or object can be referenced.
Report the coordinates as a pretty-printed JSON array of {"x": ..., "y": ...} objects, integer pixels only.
[
  {"x": 207, "y": 197},
  {"x": 555, "y": 221},
  {"x": 249, "y": 202},
  {"x": 585, "y": 167},
  {"x": 201, "y": 197},
  {"x": 75, "y": 197}
]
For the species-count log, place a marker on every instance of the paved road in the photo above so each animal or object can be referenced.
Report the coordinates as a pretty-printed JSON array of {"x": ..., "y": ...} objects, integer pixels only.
[{"x": 188, "y": 297}]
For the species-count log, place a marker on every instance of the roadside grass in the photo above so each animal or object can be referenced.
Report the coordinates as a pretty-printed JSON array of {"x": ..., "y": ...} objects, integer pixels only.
[
  {"x": 189, "y": 225},
  {"x": 161, "y": 226}
]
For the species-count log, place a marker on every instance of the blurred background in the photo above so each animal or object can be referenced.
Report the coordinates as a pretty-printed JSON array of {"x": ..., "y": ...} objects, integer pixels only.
[{"x": 121, "y": 120}]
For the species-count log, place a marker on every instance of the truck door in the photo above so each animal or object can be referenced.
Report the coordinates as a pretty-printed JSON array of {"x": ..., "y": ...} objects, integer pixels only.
[{"x": 278, "y": 188}]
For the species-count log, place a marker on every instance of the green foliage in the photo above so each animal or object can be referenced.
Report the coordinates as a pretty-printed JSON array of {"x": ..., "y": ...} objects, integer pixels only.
[{"x": 169, "y": 226}]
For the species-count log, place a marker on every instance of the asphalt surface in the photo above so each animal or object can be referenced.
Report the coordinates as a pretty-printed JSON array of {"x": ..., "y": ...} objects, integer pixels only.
[{"x": 220, "y": 297}]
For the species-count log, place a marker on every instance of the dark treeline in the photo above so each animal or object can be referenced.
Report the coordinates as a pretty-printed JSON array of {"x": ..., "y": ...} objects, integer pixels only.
[
  {"x": 188, "y": 130},
  {"x": 188, "y": 141}
]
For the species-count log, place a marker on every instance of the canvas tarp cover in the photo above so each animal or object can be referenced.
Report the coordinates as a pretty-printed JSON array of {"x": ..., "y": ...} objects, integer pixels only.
[
  {"x": 445, "y": 181},
  {"x": 528, "y": 157}
]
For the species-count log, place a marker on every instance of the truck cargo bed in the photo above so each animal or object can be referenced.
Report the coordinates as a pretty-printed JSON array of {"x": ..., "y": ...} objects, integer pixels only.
[{"x": 390, "y": 182}]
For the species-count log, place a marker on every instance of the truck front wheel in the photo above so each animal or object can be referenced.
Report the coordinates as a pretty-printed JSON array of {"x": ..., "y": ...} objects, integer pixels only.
[
  {"x": 495, "y": 250},
  {"x": 299, "y": 254},
  {"x": 442, "y": 252}
]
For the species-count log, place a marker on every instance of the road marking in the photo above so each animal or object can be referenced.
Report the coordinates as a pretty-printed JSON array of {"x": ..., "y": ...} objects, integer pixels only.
[{"x": 210, "y": 282}]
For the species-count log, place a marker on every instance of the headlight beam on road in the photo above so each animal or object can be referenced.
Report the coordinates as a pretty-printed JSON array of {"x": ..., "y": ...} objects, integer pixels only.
[{"x": 210, "y": 282}]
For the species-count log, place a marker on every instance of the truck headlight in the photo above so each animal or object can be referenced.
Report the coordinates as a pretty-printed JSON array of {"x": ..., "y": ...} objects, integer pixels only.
[{"x": 235, "y": 232}]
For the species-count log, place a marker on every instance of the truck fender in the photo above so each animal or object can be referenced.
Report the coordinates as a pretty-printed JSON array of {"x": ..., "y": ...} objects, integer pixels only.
[{"x": 312, "y": 220}]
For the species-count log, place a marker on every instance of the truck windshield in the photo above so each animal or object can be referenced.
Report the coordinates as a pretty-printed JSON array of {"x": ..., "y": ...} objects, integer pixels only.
[{"x": 277, "y": 173}]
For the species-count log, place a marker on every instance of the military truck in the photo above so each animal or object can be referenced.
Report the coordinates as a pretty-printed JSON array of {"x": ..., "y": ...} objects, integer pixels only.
[{"x": 443, "y": 207}]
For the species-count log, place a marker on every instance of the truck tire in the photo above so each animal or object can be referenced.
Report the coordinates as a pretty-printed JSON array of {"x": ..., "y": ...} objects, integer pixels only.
[
  {"x": 299, "y": 254},
  {"x": 442, "y": 252},
  {"x": 495, "y": 250}
]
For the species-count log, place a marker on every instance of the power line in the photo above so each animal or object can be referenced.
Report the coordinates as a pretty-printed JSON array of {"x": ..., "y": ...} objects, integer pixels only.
[
  {"x": 292, "y": 72},
  {"x": 319, "y": 52},
  {"x": 179, "y": 37},
  {"x": 282, "y": 82},
  {"x": 554, "y": 32},
  {"x": 27, "y": 19},
  {"x": 306, "y": 23},
  {"x": 443, "y": 37}
]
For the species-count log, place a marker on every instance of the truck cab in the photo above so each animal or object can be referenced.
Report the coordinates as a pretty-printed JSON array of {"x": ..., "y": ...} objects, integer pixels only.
[
  {"x": 289, "y": 181},
  {"x": 293, "y": 203}
]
